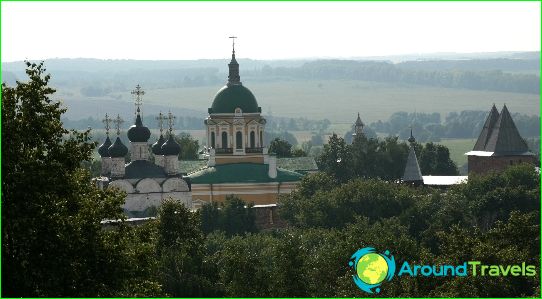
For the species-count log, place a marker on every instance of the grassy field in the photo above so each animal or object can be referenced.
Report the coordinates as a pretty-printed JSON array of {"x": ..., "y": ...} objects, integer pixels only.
[
  {"x": 458, "y": 148},
  {"x": 336, "y": 100}
]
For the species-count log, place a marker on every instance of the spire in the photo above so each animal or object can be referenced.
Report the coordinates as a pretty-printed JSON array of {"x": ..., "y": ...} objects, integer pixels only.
[
  {"x": 505, "y": 137},
  {"x": 411, "y": 139},
  {"x": 233, "y": 77},
  {"x": 412, "y": 172},
  {"x": 489, "y": 124}
]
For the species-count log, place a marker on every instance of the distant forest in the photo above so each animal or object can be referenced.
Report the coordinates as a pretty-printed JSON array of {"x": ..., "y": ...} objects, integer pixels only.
[{"x": 100, "y": 77}]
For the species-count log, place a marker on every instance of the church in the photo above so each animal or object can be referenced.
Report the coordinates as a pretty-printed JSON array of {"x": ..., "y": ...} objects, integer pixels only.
[
  {"x": 238, "y": 162},
  {"x": 146, "y": 183}
]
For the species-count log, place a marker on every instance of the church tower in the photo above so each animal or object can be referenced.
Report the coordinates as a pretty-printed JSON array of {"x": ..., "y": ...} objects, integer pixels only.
[
  {"x": 138, "y": 134},
  {"x": 235, "y": 127},
  {"x": 358, "y": 128},
  {"x": 103, "y": 150},
  {"x": 117, "y": 151}
]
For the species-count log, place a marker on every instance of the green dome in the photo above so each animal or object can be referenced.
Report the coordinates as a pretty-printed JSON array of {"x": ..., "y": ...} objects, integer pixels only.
[{"x": 234, "y": 96}]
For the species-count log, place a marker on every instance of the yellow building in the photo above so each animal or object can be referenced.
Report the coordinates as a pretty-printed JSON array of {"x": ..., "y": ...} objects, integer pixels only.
[{"x": 239, "y": 163}]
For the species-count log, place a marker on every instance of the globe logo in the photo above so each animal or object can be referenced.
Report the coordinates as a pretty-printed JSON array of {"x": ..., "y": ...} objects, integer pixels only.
[{"x": 371, "y": 269}]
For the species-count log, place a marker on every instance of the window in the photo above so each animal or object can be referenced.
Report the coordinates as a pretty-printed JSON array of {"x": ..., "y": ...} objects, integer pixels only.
[
  {"x": 224, "y": 140},
  {"x": 213, "y": 139},
  {"x": 238, "y": 140},
  {"x": 252, "y": 139},
  {"x": 261, "y": 138}
]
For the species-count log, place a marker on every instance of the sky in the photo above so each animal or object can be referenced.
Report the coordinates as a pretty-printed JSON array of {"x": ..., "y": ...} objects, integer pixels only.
[{"x": 265, "y": 30}]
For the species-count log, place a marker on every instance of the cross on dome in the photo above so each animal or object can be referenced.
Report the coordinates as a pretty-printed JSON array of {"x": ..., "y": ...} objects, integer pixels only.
[
  {"x": 138, "y": 93},
  {"x": 171, "y": 119},
  {"x": 161, "y": 119},
  {"x": 107, "y": 122},
  {"x": 118, "y": 121}
]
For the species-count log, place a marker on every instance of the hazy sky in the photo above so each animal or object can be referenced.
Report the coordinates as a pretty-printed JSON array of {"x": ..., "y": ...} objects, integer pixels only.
[{"x": 266, "y": 30}]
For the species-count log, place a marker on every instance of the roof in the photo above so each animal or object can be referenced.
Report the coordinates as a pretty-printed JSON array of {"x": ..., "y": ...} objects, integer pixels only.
[
  {"x": 500, "y": 136},
  {"x": 138, "y": 132},
  {"x": 505, "y": 136},
  {"x": 140, "y": 169},
  {"x": 118, "y": 149},
  {"x": 242, "y": 173},
  {"x": 412, "y": 170},
  {"x": 188, "y": 166},
  {"x": 487, "y": 129},
  {"x": 444, "y": 180},
  {"x": 103, "y": 150},
  {"x": 234, "y": 96},
  {"x": 297, "y": 163}
]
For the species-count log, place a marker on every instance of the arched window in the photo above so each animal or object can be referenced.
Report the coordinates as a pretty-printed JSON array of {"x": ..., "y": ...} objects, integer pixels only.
[
  {"x": 261, "y": 138},
  {"x": 252, "y": 139},
  {"x": 213, "y": 139},
  {"x": 224, "y": 140},
  {"x": 238, "y": 140}
]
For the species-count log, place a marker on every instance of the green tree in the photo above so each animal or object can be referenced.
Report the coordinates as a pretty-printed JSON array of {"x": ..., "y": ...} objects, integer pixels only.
[
  {"x": 52, "y": 239},
  {"x": 336, "y": 159},
  {"x": 280, "y": 147},
  {"x": 233, "y": 217},
  {"x": 435, "y": 159},
  {"x": 189, "y": 146}
]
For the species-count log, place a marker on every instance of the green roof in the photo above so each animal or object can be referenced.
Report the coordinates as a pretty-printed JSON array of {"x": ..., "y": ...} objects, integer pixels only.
[
  {"x": 297, "y": 163},
  {"x": 242, "y": 173},
  {"x": 234, "y": 96}
]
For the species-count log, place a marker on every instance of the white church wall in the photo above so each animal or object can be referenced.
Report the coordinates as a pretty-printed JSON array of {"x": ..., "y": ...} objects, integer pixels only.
[
  {"x": 122, "y": 185},
  {"x": 174, "y": 184},
  {"x": 148, "y": 186}
]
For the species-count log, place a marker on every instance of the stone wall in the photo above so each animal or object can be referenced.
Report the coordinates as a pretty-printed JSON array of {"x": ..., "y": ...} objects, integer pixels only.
[{"x": 483, "y": 165}]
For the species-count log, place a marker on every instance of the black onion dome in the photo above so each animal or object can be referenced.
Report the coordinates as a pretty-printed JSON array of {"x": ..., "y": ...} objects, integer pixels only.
[
  {"x": 171, "y": 147},
  {"x": 118, "y": 149},
  {"x": 138, "y": 132},
  {"x": 157, "y": 146},
  {"x": 103, "y": 149}
]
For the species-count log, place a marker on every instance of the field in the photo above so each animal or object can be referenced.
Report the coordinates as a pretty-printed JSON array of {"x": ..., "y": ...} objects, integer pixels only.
[
  {"x": 458, "y": 148},
  {"x": 339, "y": 101}
]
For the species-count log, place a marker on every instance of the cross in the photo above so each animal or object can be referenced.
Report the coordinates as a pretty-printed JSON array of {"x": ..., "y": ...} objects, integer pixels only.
[
  {"x": 107, "y": 121},
  {"x": 171, "y": 118},
  {"x": 118, "y": 121},
  {"x": 138, "y": 92},
  {"x": 233, "y": 42},
  {"x": 161, "y": 119}
]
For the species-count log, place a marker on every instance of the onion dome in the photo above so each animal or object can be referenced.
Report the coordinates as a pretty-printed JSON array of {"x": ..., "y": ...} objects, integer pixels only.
[
  {"x": 234, "y": 95},
  {"x": 118, "y": 149},
  {"x": 157, "y": 146},
  {"x": 138, "y": 132},
  {"x": 171, "y": 147},
  {"x": 103, "y": 149}
]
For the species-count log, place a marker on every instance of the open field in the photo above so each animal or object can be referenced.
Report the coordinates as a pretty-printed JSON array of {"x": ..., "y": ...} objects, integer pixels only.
[
  {"x": 336, "y": 100},
  {"x": 458, "y": 148}
]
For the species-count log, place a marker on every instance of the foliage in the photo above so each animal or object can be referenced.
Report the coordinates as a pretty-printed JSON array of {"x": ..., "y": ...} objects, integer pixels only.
[
  {"x": 189, "y": 146},
  {"x": 233, "y": 217},
  {"x": 52, "y": 240},
  {"x": 280, "y": 147}
]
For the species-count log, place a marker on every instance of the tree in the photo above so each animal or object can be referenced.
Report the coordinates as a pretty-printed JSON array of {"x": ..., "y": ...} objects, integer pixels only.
[
  {"x": 189, "y": 146},
  {"x": 336, "y": 159},
  {"x": 233, "y": 217},
  {"x": 435, "y": 160},
  {"x": 280, "y": 147},
  {"x": 52, "y": 239}
]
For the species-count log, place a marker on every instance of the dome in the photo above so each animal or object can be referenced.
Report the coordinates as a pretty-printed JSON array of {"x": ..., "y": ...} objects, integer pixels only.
[
  {"x": 138, "y": 132},
  {"x": 171, "y": 147},
  {"x": 234, "y": 96},
  {"x": 103, "y": 149},
  {"x": 118, "y": 149},
  {"x": 157, "y": 146}
]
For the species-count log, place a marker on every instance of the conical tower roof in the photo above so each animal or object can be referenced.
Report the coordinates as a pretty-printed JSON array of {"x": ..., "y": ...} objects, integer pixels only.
[
  {"x": 505, "y": 137},
  {"x": 412, "y": 170},
  {"x": 487, "y": 129}
]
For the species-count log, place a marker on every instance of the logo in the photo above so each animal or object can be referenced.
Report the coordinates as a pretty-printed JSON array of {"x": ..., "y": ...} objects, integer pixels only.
[{"x": 371, "y": 269}]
